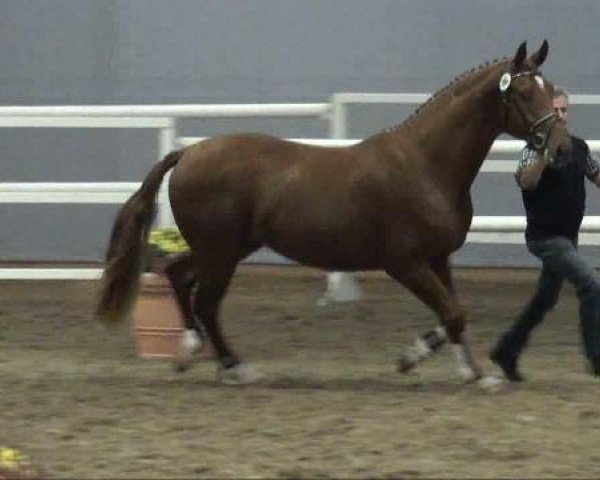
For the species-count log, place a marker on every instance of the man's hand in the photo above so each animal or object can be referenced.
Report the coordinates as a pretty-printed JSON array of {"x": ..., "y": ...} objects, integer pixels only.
[{"x": 529, "y": 176}]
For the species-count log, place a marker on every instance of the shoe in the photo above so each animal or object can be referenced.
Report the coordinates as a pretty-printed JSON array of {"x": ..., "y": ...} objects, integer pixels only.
[
  {"x": 594, "y": 366},
  {"x": 507, "y": 364}
]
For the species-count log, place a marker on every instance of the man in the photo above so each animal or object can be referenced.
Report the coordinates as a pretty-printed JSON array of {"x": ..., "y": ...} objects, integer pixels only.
[{"x": 554, "y": 200}]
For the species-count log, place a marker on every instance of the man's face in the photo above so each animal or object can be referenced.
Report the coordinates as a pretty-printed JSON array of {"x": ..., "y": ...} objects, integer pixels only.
[{"x": 561, "y": 106}]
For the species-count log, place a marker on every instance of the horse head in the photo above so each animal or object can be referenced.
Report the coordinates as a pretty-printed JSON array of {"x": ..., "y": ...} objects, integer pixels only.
[{"x": 527, "y": 104}]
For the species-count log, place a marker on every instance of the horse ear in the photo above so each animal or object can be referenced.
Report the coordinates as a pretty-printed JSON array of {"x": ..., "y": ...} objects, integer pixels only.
[
  {"x": 540, "y": 56},
  {"x": 520, "y": 55}
]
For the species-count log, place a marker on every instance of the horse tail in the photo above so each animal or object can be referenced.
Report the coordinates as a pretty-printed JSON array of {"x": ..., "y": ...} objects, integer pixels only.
[{"x": 120, "y": 280}]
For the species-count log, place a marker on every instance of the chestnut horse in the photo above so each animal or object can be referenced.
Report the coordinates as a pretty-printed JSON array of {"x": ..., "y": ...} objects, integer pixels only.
[{"x": 398, "y": 201}]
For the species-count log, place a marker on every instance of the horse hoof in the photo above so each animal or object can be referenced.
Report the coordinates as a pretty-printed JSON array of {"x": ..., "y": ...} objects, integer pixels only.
[
  {"x": 468, "y": 375},
  {"x": 323, "y": 301},
  {"x": 241, "y": 374},
  {"x": 189, "y": 345},
  {"x": 406, "y": 363},
  {"x": 491, "y": 383},
  {"x": 182, "y": 361}
]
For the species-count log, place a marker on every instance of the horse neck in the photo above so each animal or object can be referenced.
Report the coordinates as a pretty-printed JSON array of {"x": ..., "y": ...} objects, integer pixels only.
[{"x": 455, "y": 135}]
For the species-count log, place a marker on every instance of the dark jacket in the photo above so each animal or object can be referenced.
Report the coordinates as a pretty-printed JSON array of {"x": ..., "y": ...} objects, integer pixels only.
[{"x": 555, "y": 207}]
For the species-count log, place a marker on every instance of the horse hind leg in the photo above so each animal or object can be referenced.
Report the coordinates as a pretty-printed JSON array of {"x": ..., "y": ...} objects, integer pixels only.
[
  {"x": 181, "y": 273},
  {"x": 213, "y": 282}
]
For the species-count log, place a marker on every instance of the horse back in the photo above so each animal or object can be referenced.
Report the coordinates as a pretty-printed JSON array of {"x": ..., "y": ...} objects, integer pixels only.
[
  {"x": 262, "y": 165},
  {"x": 312, "y": 204}
]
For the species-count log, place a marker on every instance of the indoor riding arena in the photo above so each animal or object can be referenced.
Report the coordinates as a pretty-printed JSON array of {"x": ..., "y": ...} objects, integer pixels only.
[
  {"x": 331, "y": 404},
  {"x": 96, "y": 93}
]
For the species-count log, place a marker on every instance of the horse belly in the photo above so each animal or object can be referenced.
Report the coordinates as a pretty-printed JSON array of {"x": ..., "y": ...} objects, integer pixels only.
[
  {"x": 328, "y": 255},
  {"x": 324, "y": 240}
]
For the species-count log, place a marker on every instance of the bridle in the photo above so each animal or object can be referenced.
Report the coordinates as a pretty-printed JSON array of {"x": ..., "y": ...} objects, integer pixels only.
[{"x": 536, "y": 139}]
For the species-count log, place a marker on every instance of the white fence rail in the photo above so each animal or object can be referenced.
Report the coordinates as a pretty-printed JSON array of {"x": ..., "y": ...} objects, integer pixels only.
[
  {"x": 67, "y": 192},
  {"x": 340, "y": 102},
  {"x": 163, "y": 118},
  {"x": 160, "y": 117}
]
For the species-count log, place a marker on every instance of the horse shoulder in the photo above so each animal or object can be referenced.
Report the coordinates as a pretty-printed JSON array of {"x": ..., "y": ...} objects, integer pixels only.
[{"x": 419, "y": 207}]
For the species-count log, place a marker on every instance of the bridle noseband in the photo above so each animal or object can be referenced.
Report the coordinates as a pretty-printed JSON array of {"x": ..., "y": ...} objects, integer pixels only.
[{"x": 535, "y": 138}]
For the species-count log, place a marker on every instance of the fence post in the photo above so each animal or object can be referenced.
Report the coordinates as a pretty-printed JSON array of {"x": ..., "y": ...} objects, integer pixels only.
[
  {"x": 338, "y": 118},
  {"x": 341, "y": 286},
  {"x": 166, "y": 144}
]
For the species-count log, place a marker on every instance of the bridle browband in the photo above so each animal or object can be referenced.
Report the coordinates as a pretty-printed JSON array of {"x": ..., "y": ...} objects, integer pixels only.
[{"x": 534, "y": 138}]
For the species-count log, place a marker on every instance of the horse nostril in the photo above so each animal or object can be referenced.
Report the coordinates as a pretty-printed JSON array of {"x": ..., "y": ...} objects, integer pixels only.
[{"x": 559, "y": 151}]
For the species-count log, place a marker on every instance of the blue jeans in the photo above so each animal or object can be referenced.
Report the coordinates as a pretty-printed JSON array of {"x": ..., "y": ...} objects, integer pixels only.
[{"x": 560, "y": 261}]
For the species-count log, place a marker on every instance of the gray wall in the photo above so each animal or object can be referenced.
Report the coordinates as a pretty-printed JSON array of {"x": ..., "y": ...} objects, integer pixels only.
[{"x": 213, "y": 51}]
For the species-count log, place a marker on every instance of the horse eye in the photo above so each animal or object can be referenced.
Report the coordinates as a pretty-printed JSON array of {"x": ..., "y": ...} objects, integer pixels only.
[{"x": 527, "y": 95}]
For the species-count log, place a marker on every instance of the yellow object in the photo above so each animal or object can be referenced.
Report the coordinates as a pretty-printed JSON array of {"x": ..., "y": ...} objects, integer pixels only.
[
  {"x": 168, "y": 240},
  {"x": 11, "y": 458}
]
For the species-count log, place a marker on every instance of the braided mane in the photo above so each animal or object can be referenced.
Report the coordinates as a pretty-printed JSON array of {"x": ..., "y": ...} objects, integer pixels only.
[{"x": 451, "y": 86}]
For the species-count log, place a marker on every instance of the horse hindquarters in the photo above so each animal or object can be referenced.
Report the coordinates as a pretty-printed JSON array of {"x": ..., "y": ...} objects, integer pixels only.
[{"x": 209, "y": 211}]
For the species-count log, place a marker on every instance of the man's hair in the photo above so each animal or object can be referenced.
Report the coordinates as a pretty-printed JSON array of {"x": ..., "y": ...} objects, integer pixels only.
[{"x": 560, "y": 92}]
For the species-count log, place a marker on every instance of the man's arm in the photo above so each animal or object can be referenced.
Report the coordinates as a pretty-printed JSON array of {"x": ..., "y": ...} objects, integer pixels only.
[
  {"x": 530, "y": 169},
  {"x": 592, "y": 168}
]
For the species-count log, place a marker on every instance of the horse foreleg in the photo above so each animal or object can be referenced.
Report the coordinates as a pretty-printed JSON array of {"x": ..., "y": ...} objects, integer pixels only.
[
  {"x": 433, "y": 340},
  {"x": 431, "y": 290},
  {"x": 424, "y": 346}
]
